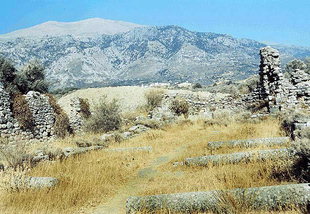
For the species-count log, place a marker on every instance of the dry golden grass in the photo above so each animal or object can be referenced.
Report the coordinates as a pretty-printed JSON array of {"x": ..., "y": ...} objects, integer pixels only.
[
  {"x": 97, "y": 177},
  {"x": 130, "y": 97}
]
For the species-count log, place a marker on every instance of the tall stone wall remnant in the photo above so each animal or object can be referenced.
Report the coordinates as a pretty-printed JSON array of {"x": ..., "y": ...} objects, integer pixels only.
[
  {"x": 43, "y": 114},
  {"x": 280, "y": 92},
  {"x": 75, "y": 115}
]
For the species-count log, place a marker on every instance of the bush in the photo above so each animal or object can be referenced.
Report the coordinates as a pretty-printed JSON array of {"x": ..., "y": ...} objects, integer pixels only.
[
  {"x": 21, "y": 112},
  {"x": 301, "y": 167},
  {"x": 16, "y": 157},
  {"x": 8, "y": 76},
  {"x": 180, "y": 106},
  {"x": 32, "y": 78},
  {"x": 62, "y": 124},
  {"x": 153, "y": 98},
  {"x": 106, "y": 117},
  {"x": 85, "y": 110},
  {"x": 197, "y": 85}
]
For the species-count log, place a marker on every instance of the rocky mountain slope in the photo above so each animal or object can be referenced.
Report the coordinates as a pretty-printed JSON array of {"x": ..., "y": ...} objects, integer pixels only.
[{"x": 138, "y": 54}]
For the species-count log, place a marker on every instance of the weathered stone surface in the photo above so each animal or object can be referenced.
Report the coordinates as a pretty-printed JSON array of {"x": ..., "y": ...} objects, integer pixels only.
[
  {"x": 42, "y": 112},
  {"x": 132, "y": 149},
  {"x": 138, "y": 129},
  {"x": 259, "y": 198},
  {"x": 277, "y": 91},
  {"x": 69, "y": 151},
  {"x": 249, "y": 142},
  {"x": 239, "y": 157},
  {"x": 75, "y": 116},
  {"x": 34, "y": 182}
]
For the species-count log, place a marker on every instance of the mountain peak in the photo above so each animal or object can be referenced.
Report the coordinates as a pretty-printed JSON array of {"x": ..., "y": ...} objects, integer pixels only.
[{"x": 87, "y": 27}]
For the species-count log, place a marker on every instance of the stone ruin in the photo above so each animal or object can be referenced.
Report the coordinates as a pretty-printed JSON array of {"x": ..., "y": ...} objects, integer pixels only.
[
  {"x": 43, "y": 116},
  {"x": 75, "y": 115},
  {"x": 276, "y": 90}
]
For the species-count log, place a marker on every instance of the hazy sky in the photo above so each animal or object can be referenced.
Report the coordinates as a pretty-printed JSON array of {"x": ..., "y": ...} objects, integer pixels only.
[{"x": 277, "y": 21}]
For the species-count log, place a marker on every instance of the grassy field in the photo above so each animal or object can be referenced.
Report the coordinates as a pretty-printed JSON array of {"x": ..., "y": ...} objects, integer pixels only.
[
  {"x": 101, "y": 181},
  {"x": 130, "y": 97}
]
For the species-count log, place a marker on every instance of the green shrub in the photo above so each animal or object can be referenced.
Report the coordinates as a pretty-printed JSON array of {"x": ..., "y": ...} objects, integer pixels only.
[
  {"x": 197, "y": 85},
  {"x": 62, "y": 126},
  {"x": 180, "y": 106},
  {"x": 21, "y": 112},
  {"x": 106, "y": 117},
  {"x": 153, "y": 98},
  {"x": 301, "y": 167},
  {"x": 32, "y": 78},
  {"x": 85, "y": 110},
  {"x": 8, "y": 76}
]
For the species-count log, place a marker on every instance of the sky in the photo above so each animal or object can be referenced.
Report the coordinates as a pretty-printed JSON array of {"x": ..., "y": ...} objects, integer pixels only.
[{"x": 272, "y": 21}]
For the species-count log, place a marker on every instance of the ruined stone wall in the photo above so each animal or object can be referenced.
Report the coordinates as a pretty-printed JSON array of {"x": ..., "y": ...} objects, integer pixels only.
[
  {"x": 75, "y": 116},
  {"x": 280, "y": 92},
  {"x": 43, "y": 114}
]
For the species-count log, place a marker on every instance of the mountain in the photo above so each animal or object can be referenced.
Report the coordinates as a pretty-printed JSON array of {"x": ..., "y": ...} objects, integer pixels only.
[
  {"x": 84, "y": 28},
  {"x": 140, "y": 55}
]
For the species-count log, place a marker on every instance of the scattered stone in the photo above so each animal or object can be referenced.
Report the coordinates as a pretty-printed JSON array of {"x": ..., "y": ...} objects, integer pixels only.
[
  {"x": 139, "y": 129},
  {"x": 107, "y": 137},
  {"x": 238, "y": 157},
  {"x": 34, "y": 182},
  {"x": 258, "y": 198},
  {"x": 246, "y": 143}
]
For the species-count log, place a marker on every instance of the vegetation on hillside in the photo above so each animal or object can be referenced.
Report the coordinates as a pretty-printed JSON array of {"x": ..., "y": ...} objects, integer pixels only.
[
  {"x": 105, "y": 117},
  {"x": 30, "y": 78}
]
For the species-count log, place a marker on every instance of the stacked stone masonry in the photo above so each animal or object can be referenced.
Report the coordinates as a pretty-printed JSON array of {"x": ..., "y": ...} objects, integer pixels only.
[
  {"x": 75, "y": 116},
  {"x": 43, "y": 116},
  {"x": 280, "y": 92}
]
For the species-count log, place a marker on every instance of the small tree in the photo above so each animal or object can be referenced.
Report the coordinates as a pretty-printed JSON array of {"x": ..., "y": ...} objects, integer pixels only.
[
  {"x": 32, "y": 78},
  {"x": 295, "y": 64},
  {"x": 8, "y": 76},
  {"x": 106, "y": 117}
]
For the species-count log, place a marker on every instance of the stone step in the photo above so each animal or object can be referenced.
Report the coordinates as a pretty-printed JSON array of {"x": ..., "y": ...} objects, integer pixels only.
[
  {"x": 248, "y": 143},
  {"x": 257, "y": 198},
  {"x": 238, "y": 157}
]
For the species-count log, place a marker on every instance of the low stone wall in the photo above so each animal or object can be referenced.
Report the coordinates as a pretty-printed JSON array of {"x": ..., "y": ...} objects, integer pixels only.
[
  {"x": 258, "y": 198},
  {"x": 247, "y": 143},
  {"x": 238, "y": 157}
]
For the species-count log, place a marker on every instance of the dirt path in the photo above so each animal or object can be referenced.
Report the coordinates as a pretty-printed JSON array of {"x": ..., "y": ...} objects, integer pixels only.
[{"x": 117, "y": 204}]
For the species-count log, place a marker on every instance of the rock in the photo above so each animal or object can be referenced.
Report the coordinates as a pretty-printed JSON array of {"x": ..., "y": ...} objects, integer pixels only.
[
  {"x": 127, "y": 135},
  {"x": 259, "y": 198},
  {"x": 238, "y": 157},
  {"x": 107, "y": 137},
  {"x": 139, "y": 129},
  {"x": 246, "y": 143},
  {"x": 34, "y": 182}
]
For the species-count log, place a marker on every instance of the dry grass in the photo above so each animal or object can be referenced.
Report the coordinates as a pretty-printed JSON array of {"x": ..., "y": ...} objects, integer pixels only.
[
  {"x": 92, "y": 179},
  {"x": 130, "y": 97}
]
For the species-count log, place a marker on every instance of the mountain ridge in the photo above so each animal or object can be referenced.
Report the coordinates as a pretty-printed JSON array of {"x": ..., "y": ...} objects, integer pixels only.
[
  {"x": 142, "y": 55},
  {"x": 86, "y": 27}
]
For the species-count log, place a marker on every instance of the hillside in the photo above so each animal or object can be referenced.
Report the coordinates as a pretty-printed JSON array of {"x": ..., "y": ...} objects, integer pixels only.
[{"x": 135, "y": 56}]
